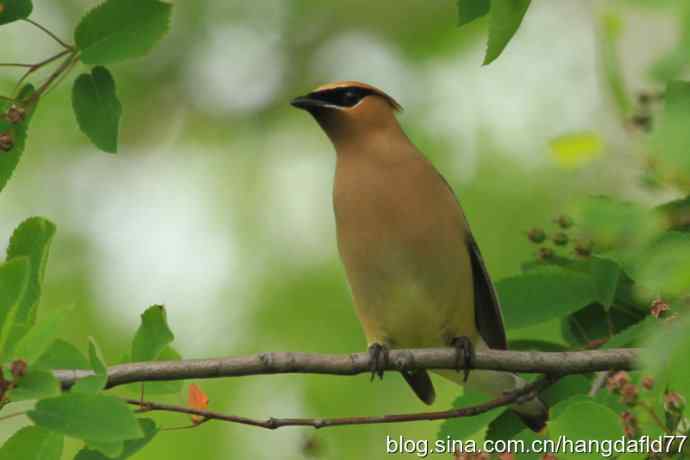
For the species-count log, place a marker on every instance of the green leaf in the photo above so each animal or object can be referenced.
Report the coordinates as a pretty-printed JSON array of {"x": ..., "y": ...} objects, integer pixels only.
[
  {"x": 672, "y": 64},
  {"x": 31, "y": 239},
  {"x": 676, "y": 214},
  {"x": 14, "y": 281},
  {"x": 121, "y": 29},
  {"x": 97, "y": 108},
  {"x": 61, "y": 355},
  {"x": 605, "y": 274},
  {"x": 611, "y": 26},
  {"x": 35, "y": 384},
  {"x": 576, "y": 149},
  {"x": 18, "y": 132},
  {"x": 131, "y": 447},
  {"x": 32, "y": 443},
  {"x": 94, "y": 417},
  {"x": 463, "y": 428},
  {"x": 633, "y": 335},
  {"x": 541, "y": 295},
  {"x": 40, "y": 337},
  {"x": 610, "y": 223},
  {"x": 602, "y": 424},
  {"x": 94, "y": 383},
  {"x": 593, "y": 323},
  {"x": 469, "y": 10},
  {"x": 665, "y": 355},
  {"x": 152, "y": 336},
  {"x": 106, "y": 449},
  {"x": 506, "y": 17},
  {"x": 664, "y": 265},
  {"x": 13, "y": 10},
  {"x": 670, "y": 142}
]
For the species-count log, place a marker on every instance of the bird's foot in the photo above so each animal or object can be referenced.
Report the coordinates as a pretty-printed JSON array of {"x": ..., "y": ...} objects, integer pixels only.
[
  {"x": 378, "y": 359},
  {"x": 464, "y": 355}
]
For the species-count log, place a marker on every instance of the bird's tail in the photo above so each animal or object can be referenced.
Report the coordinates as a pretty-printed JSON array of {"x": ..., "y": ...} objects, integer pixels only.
[{"x": 495, "y": 384}]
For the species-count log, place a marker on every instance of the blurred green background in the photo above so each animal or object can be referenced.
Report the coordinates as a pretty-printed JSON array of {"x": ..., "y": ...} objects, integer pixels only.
[{"x": 219, "y": 203}]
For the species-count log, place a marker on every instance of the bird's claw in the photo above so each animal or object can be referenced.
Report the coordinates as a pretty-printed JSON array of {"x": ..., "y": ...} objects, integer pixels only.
[
  {"x": 464, "y": 355},
  {"x": 378, "y": 360}
]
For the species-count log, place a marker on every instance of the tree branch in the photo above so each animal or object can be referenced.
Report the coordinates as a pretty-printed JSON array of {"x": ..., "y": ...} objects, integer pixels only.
[
  {"x": 526, "y": 392},
  {"x": 560, "y": 363}
]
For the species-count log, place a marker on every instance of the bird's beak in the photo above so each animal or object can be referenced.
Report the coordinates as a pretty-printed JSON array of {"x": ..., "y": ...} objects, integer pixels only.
[{"x": 308, "y": 103}]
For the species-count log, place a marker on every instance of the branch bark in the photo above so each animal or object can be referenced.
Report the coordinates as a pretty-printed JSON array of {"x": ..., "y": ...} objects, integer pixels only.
[
  {"x": 273, "y": 423},
  {"x": 558, "y": 363}
]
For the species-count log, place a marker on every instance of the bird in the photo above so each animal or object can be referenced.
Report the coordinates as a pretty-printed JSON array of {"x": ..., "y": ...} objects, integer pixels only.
[{"x": 414, "y": 269}]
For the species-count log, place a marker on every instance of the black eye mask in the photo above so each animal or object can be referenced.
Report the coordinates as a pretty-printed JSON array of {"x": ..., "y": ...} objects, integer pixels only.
[{"x": 342, "y": 97}]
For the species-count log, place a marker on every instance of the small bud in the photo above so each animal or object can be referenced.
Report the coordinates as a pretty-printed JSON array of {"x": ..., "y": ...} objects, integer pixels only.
[
  {"x": 462, "y": 455},
  {"x": 18, "y": 368},
  {"x": 506, "y": 456},
  {"x": 629, "y": 393},
  {"x": 674, "y": 402},
  {"x": 560, "y": 239},
  {"x": 564, "y": 221},
  {"x": 642, "y": 121},
  {"x": 617, "y": 381},
  {"x": 536, "y": 235},
  {"x": 548, "y": 456},
  {"x": 647, "y": 383},
  {"x": 482, "y": 456},
  {"x": 6, "y": 142},
  {"x": 545, "y": 254},
  {"x": 583, "y": 248},
  {"x": 16, "y": 114},
  {"x": 658, "y": 308}
]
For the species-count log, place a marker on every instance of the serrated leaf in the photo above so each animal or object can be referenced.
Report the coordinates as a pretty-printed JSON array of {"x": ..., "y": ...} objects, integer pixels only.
[
  {"x": 10, "y": 159},
  {"x": 152, "y": 336},
  {"x": 93, "y": 383},
  {"x": 30, "y": 239},
  {"x": 130, "y": 447},
  {"x": 39, "y": 338},
  {"x": 97, "y": 108},
  {"x": 94, "y": 417},
  {"x": 61, "y": 355},
  {"x": 121, "y": 29},
  {"x": 14, "y": 281},
  {"x": 469, "y": 10},
  {"x": 542, "y": 295},
  {"x": 576, "y": 149},
  {"x": 506, "y": 17},
  {"x": 35, "y": 384},
  {"x": 602, "y": 424},
  {"x": 32, "y": 443},
  {"x": 13, "y": 10}
]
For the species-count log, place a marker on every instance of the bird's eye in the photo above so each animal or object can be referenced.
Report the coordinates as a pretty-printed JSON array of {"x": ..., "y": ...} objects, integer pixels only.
[{"x": 350, "y": 98}]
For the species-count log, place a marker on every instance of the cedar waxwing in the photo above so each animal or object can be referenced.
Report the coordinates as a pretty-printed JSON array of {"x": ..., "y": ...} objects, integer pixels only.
[{"x": 415, "y": 271}]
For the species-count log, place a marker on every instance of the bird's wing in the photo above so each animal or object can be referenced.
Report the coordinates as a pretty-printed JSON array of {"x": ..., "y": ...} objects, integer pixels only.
[
  {"x": 487, "y": 310},
  {"x": 488, "y": 316}
]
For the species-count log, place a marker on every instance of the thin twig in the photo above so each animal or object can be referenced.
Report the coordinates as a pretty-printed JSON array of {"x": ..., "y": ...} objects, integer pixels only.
[
  {"x": 652, "y": 413},
  {"x": 274, "y": 423},
  {"x": 51, "y": 34},
  {"x": 14, "y": 64},
  {"x": 16, "y": 414},
  {"x": 358, "y": 363},
  {"x": 38, "y": 66}
]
